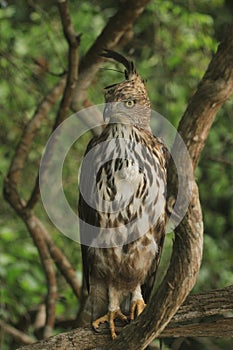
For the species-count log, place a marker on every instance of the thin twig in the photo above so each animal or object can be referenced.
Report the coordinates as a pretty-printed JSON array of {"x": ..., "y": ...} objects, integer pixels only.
[
  {"x": 73, "y": 60},
  {"x": 60, "y": 259},
  {"x": 70, "y": 78},
  {"x": 23, "y": 148},
  {"x": 28, "y": 135},
  {"x": 47, "y": 263}
]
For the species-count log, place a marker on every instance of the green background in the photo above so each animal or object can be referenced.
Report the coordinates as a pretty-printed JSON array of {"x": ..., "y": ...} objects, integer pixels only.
[{"x": 172, "y": 44}]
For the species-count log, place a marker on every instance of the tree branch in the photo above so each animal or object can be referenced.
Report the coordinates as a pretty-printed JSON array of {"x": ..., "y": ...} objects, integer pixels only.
[
  {"x": 179, "y": 280},
  {"x": 18, "y": 335},
  {"x": 199, "y": 306},
  {"x": 60, "y": 259},
  {"x": 22, "y": 150},
  {"x": 69, "y": 80},
  {"x": 213, "y": 328},
  {"x": 196, "y": 317},
  {"x": 47, "y": 264},
  {"x": 86, "y": 339},
  {"x": 73, "y": 60}
]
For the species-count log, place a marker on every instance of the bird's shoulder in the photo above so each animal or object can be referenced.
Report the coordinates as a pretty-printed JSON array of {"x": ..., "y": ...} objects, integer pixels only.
[{"x": 156, "y": 144}]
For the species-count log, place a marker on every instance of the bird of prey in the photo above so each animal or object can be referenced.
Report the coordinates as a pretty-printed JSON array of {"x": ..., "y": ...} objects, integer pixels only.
[{"x": 122, "y": 203}]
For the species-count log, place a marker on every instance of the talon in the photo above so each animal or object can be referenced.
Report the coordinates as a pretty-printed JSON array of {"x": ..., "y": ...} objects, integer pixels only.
[
  {"x": 120, "y": 315},
  {"x": 96, "y": 323},
  {"x": 137, "y": 307},
  {"x": 111, "y": 324},
  {"x": 110, "y": 317}
]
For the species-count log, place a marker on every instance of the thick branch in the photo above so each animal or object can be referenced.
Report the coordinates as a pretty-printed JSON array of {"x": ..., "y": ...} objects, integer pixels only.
[
  {"x": 85, "y": 339},
  {"x": 116, "y": 27},
  {"x": 199, "y": 306},
  {"x": 215, "y": 328},
  {"x": 201, "y": 315}
]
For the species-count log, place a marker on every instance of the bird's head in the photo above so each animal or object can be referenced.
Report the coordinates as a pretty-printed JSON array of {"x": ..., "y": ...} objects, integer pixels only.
[{"x": 127, "y": 101}]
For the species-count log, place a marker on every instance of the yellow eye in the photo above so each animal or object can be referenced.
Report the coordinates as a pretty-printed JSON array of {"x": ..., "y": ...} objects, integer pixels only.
[{"x": 129, "y": 103}]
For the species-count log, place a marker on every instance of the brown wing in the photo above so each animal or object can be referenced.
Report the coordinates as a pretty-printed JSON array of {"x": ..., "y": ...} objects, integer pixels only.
[
  {"x": 159, "y": 234},
  {"x": 148, "y": 286},
  {"x": 88, "y": 215}
]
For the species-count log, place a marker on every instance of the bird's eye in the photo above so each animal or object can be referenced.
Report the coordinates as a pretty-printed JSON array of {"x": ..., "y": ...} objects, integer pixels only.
[{"x": 129, "y": 103}]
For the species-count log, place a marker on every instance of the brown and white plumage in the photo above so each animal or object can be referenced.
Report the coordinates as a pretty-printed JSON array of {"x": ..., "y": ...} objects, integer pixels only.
[{"x": 122, "y": 202}]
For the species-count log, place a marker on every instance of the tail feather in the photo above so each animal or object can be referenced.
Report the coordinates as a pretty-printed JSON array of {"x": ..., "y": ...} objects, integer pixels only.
[{"x": 99, "y": 299}]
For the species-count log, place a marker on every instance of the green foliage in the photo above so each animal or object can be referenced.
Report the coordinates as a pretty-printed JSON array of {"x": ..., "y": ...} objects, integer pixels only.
[
  {"x": 19, "y": 272},
  {"x": 215, "y": 175},
  {"x": 172, "y": 45}
]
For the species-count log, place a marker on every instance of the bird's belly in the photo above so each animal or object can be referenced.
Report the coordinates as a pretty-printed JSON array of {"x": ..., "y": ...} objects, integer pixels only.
[
  {"x": 118, "y": 186},
  {"x": 129, "y": 265}
]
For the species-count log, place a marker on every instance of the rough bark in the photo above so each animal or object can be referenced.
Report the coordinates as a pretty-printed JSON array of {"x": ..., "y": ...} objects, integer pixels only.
[
  {"x": 200, "y": 315},
  {"x": 85, "y": 339}
]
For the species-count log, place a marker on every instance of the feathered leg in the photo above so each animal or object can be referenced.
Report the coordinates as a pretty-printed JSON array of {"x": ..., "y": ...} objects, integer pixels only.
[
  {"x": 137, "y": 303},
  {"x": 114, "y": 312}
]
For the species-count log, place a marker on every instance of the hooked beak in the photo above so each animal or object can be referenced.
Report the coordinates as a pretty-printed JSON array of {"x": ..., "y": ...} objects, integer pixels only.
[
  {"x": 116, "y": 113},
  {"x": 107, "y": 112}
]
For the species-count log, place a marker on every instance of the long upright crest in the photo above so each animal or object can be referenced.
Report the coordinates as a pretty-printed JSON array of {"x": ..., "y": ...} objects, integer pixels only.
[{"x": 129, "y": 65}]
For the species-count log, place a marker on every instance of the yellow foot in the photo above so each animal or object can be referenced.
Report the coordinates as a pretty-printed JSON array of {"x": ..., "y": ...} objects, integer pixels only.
[
  {"x": 110, "y": 317},
  {"x": 136, "y": 308}
]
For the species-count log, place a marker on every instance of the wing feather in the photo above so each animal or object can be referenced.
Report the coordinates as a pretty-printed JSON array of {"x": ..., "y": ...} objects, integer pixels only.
[
  {"x": 159, "y": 234},
  {"x": 89, "y": 215}
]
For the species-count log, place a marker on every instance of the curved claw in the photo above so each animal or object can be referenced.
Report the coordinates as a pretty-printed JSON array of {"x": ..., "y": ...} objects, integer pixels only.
[
  {"x": 137, "y": 307},
  {"x": 110, "y": 318}
]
